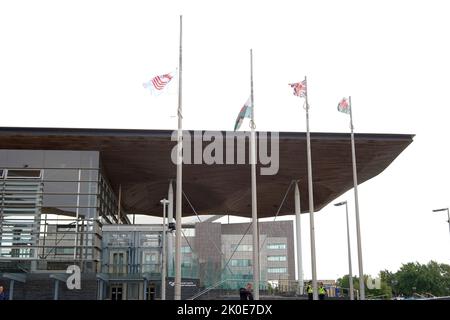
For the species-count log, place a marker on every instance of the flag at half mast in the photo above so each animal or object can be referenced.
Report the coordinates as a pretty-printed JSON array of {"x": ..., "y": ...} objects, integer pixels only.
[
  {"x": 246, "y": 112},
  {"x": 344, "y": 106},
  {"x": 299, "y": 88},
  {"x": 157, "y": 84}
]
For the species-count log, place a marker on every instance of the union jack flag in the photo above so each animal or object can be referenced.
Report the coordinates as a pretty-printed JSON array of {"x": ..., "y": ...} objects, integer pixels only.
[
  {"x": 343, "y": 106},
  {"x": 158, "y": 83},
  {"x": 299, "y": 88}
]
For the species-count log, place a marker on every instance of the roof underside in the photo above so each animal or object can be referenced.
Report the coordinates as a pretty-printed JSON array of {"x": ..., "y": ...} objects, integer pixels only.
[{"x": 140, "y": 161}]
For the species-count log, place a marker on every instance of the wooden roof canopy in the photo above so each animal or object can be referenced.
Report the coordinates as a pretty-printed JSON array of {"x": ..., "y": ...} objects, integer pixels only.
[{"x": 140, "y": 161}]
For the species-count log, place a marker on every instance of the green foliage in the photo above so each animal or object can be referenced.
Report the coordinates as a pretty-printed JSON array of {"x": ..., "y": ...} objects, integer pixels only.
[
  {"x": 384, "y": 292},
  {"x": 432, "y": 278},
  {"x": 413, "y": 279}
]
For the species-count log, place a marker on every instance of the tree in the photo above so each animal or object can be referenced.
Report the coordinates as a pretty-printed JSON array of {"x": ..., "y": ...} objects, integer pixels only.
[
  {"x": 385, "y": 290},
  {"x": 391, "y": 280},
  {"x": 344, "y": 283},
  {"x": 412, "y": 279},
  {"x": 432, "y": 278}
]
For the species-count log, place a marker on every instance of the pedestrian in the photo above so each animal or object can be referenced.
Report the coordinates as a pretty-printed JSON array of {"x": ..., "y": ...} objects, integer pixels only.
[
  {"x": 246, "y": 293},
  {"x": 249, "y": 291},
  {"x": 309, "y": 290},
  {"x": 242, "y": 294},
  {"x": 322, "y": 292},
  {"x": 3, "y": 295}
]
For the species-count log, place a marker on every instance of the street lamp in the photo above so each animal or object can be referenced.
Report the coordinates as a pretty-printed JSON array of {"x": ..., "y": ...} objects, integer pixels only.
[
  {"x": 164, "y": 202},
  {"x": 444, "y": 209},
  {"x": 350, "y": 277}
]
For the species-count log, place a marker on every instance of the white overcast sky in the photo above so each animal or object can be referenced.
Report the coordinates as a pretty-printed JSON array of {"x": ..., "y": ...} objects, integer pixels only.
[{"x": 82, "y": 64}]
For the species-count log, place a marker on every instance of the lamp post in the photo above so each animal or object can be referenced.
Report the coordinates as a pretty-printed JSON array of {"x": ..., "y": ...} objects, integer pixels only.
[
  {"x": 350, "y": 276},
  {"x": 164, "y": 202},
  {"x": 448, "y": 215}
]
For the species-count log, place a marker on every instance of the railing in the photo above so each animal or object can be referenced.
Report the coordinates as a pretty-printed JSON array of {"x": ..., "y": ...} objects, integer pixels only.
[
  {"x": 131, "y": 268},
  {"x": 48, "y": 243},
  {"x": 229, "y": 287},
  {"x": 214, "y": 286},
  {"x": 282, "y": 288}
]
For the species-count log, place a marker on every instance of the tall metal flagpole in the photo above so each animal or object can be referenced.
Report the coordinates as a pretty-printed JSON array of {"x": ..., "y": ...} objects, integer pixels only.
[
  {"x": 164, "y": 252},
  {"x": 179, "y": 177},
  {"x": 311, "y": 200},
  {"x": 254, "y": 199},
  {"x": 350, "y": 273},
  {"x": 362, "y": 294},
  {"x": 298, "y": 230},
  {"x": 170, "y": 236}
]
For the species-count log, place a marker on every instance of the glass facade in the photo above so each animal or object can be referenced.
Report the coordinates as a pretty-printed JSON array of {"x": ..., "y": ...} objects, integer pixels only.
[
  {"x": 52, "y": 206},
  {"x": 131, "y": 251},
  {"x": 58, "y": 209}
]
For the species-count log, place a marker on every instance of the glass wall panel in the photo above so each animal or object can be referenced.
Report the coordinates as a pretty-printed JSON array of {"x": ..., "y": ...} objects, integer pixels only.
[{"x": 41, "y": 192}]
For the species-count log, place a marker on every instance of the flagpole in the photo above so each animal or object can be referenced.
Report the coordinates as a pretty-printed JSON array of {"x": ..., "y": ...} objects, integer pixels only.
[
  {"x": 311, "y": 200},
  {"x": 298, "y": 232},
  {"x": 254, "y": 198},
  {"x": 362, "y": 294},
  {"x": 179, "y": 179}
]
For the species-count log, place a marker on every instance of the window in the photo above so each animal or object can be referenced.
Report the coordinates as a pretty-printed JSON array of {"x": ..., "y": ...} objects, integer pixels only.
[
  {"x": 23, "y": 173},
  {"x": 276, "y": 258},
  {"x": 276, "y": 270},
  {"x": 241, "y": 262},
  {"x": 150, "y": 257},
  {"x": 1, "y": 173},
  {"x": 150, "y": 261},
  {"x": 276, "y": 246},
  {"x": 150, "y": 240},
  {"x": 118, "y": 262},
  {"x": 242, "y": 247},
  {"x": 116, "y": 292},
  {"x": 119, "y": 240}
]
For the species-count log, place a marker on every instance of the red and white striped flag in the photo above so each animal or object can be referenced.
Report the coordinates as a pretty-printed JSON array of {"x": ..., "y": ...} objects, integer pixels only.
[
  {"x": 343, "y": 106},
  {"x": 158, "y": 83},
  {"x": 299, "y": 88}
]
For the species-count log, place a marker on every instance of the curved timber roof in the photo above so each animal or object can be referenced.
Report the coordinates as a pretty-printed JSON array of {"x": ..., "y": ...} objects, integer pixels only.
[{"x": 140, "y": 160}]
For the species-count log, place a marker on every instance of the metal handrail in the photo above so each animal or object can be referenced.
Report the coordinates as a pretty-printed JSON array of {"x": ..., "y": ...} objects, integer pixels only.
[{"x": 195, "y": 296}]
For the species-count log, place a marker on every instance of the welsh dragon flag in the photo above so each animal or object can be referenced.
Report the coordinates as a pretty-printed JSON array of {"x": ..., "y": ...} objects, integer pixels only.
[{"x": 246, "y": 112}]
